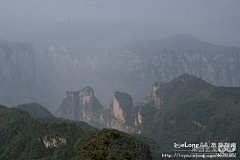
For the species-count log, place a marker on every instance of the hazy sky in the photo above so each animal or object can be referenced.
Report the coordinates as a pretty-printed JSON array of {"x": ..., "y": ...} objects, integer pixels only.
[
  {"x": 60, "y": 10},
  {"x": 216, "y": 21}
]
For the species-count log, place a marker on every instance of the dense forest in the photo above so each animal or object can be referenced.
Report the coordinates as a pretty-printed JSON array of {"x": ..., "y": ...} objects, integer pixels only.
[{"x": 22, "y": 137}]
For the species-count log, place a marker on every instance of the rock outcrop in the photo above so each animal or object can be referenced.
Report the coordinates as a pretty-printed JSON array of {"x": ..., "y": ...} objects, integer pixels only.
[
  {"x": 81, "y": 106},
  {"x": 187, "y": 104},
  {"x": 53, "y": 142},
  {"x": 152, "y": 95},
  {"x": 134, "y": 67},
  {"x": 84, "y": 106},
  {"x": 119, "y": 113}
]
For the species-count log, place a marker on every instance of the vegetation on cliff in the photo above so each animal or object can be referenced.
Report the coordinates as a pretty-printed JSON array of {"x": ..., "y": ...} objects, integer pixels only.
[{"x": 22, "y": 137}]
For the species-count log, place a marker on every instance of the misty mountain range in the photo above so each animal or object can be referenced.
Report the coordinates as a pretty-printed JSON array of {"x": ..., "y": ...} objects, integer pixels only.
[
  {"x": 187, "y": 105},
  {"x": 199, "y": 111},
  {"x": 119, "y": 80},
  {"x": 43, "y": 77},
  {"x": 121, "y": 77}
]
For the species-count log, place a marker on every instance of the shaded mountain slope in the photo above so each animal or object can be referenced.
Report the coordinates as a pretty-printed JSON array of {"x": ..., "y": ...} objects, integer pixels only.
[
  {"x": 35, "y": 110},
  {"x": 192, "y": 110},
  {"x": 22, "y": 137},
  {"x": 41, "y": 114},
  {"x": 186, "y": 109}
]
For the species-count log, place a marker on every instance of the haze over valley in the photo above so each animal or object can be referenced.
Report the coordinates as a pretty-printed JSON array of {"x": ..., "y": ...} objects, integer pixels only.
[{"x": 129, "y": 74}]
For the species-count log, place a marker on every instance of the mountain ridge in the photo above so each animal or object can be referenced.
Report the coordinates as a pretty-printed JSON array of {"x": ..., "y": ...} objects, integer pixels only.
[
  {"x": 187, "y": 104},
  {"x": 182, "y": 42},
  {"x": 23, "y": 137},
  {"x": 127, "y": 69},
  {"x": 35, "y": 110}
]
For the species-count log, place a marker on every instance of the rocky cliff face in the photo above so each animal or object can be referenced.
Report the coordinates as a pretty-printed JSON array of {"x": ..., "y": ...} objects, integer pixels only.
[
  {"x": 84, "y": 106},
  {"x": 19, "y": 81},
  {"x": 186, "y": 104},
  {"x": 134, "y": 67},
  {"x": 119, "y": 113},
  {"x": 131, "y": 69},
  {"x": 81, "y": 106},
  {"x": 152, "y": 95},
  {"x": 192, "y": 107}
]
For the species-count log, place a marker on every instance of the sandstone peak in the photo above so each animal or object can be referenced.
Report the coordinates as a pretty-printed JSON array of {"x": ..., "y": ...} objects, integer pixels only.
[
  {"x": 88, "y": 91},
  {"x": 80, "y": 105},
  {"x": 152, "y": 92},
  {"x": 124, "y": 99}
]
